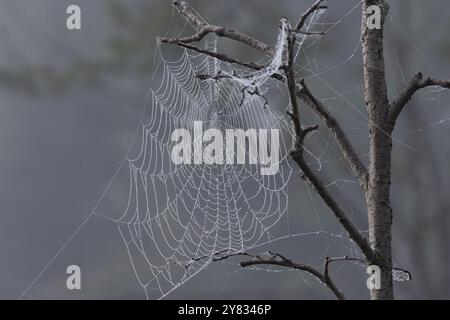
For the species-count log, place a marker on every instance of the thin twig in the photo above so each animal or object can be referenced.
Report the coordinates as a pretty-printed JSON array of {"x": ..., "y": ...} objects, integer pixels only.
[
  {"x": 356, "y": 165},
  {"x": 318, "y": 5},
  {"x": 220, "y": 56}
]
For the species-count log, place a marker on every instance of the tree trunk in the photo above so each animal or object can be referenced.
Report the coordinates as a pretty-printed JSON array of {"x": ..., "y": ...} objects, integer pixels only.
[{"x": 380, "y": 146}]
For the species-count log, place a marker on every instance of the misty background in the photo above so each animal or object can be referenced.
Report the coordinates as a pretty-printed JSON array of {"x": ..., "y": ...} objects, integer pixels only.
[{"x": 70, "y": 102}]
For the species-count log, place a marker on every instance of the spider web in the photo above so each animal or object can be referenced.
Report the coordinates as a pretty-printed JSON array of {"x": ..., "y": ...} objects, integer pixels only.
[{"x": 180, "y": 218}]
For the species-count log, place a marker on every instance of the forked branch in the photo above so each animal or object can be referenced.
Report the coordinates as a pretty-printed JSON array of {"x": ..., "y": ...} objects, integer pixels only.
[
  {"x": 276, "y": 259},
  {"x": 205, "y": 28},
  {"x": 318, "y": 5},
  {"x": 415, "y": 84},
  {"x": 350, "y": 155}
]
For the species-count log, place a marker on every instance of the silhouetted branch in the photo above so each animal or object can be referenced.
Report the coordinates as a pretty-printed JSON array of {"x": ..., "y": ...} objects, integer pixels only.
[
  {"x": 415, "y": 84},
  {"x": 319, "y": 5},
  {"x": 219, "y": 56},
  {"x": 205, "y": 28},
  {"x": 348, "y": 151},
  {"x": 277, "y": 259}
]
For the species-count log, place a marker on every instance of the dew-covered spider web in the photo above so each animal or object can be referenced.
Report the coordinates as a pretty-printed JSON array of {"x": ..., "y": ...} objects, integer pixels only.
[{"x": 180, "y": 218}]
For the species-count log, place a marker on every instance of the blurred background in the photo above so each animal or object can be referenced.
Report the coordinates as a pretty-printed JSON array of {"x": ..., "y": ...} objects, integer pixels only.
[{"x": 70, "y": 102}]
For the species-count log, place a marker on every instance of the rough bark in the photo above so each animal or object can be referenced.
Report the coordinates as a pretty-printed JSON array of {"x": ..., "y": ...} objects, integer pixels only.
[{"x": 380, "y": 145}]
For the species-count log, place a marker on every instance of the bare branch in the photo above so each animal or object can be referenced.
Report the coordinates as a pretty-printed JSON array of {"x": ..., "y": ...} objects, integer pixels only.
[
  {"x": 229, "y": 255},
  {"x": 329, "y": 260},
  {"x": 350, "y": 155},
  {"x": 340, "y": 215},
  {"x": 415, "y": 84},
  {"x": 218, "y": 76},
  {"x": 279, "y": 260},
  {"x": 189, "y": 14},
  {"x": 310, "y": 33},
  {"x": 310, "y": 129},
  {"x": 204, "y": 29},
  {"x": 318, "y": 5},
  {"x": 219, "y": 56},
  {"x": 196, "y": 37},
  {"x": 290, "y": 82}
]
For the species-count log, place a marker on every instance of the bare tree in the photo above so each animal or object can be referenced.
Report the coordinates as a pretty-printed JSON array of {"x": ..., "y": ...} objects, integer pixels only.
[{"x": 374, "y": 178}]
